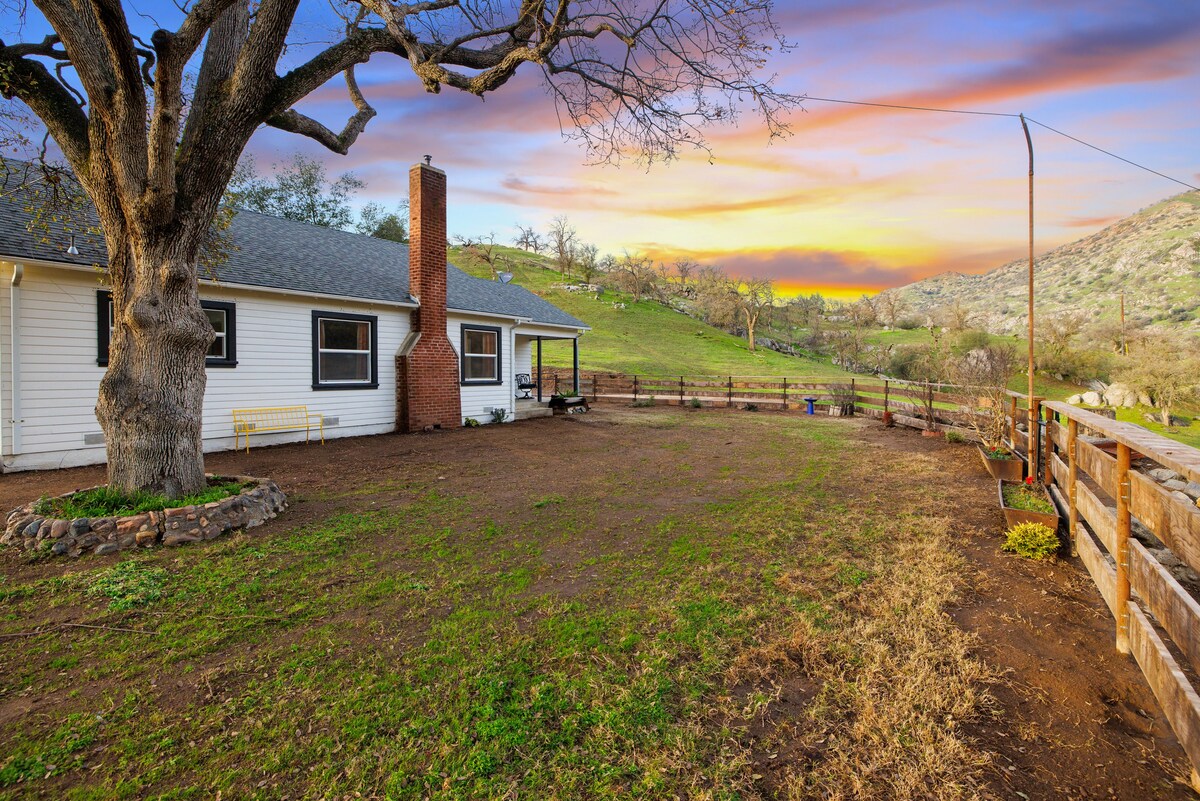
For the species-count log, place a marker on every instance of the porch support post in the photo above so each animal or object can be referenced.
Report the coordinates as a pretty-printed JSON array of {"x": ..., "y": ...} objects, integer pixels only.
[
  {"x": 539, "y": 368},
  {"x": 575, "y": 366}
]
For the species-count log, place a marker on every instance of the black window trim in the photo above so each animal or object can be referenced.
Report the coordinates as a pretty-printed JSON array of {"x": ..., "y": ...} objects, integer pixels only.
[
  {"x": 317, "y": 384},
  {"x": 462, "y": 356},
  {"x": 104, "y": 305}
]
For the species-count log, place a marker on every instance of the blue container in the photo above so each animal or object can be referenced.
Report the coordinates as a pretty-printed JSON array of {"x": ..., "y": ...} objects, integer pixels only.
[{"x": 810, "y": 402}]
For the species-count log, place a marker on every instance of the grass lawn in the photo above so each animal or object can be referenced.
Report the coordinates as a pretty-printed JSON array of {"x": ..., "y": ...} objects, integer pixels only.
[{"x": 655, "y": 604}]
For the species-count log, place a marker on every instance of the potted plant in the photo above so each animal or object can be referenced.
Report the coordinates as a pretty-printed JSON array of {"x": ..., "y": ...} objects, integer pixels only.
[
  {"x": 981, "y": 380},
  {"x": 1027, "y": 502},
  {"x": 842, "y": 404}
]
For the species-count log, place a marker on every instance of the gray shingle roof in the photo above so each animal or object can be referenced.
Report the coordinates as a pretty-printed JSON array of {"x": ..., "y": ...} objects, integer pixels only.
[{"x": 284, "y": 254}]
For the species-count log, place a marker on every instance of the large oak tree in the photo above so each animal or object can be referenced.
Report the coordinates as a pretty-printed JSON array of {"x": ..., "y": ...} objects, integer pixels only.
[{"x": 154, "y": 149}]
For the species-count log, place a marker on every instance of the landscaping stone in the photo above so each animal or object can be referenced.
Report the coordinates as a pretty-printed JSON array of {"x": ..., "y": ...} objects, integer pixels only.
[
  {"x": 1164, "y": 474},
  {"x": 1121, "y": 395},
  {"x": 1192, "y": 490},
  {"x": 105, "y": 535},
  {"x": 1175, "y": 485},
  {"x": 1092, "y": 398},
  {"x": 1075, "y": 400}
]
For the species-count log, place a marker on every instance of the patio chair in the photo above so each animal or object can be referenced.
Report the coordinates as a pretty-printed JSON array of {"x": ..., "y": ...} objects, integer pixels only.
[{"x": 525, "y": 384}]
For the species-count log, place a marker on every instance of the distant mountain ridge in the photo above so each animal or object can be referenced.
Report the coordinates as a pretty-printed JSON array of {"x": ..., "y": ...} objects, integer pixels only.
[{"x": 1152, "y": 256}]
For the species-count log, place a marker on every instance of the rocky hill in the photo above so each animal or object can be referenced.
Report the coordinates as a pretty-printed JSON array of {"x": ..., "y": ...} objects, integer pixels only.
[{"x": 1152, "y": 256}]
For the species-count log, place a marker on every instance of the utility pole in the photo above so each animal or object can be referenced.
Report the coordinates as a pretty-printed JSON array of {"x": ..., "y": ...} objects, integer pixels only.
[{"x": 1032, "y": 426}]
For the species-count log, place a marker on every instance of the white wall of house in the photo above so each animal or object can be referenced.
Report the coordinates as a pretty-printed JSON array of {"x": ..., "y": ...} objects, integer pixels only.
[
  {"x": 479, "y": 400},
  {"x": 60, "y": 377}
]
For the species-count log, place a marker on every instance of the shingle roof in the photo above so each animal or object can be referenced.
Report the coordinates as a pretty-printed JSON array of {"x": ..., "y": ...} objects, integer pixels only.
[{"x": 284, "y": 254}]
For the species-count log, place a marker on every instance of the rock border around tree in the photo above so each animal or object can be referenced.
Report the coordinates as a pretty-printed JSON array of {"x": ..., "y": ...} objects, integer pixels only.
[{"x": 251, "y": 507}]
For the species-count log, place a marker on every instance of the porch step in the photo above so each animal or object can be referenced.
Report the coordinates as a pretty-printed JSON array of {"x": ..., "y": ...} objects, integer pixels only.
[{"x": 527, "y": 410}]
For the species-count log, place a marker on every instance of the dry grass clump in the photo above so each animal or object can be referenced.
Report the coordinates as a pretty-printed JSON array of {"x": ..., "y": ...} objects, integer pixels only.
[{"x": 895, "y": 684}]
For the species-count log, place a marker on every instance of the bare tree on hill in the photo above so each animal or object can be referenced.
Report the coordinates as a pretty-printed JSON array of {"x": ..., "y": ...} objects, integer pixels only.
[{"x": 154, "y": 156}]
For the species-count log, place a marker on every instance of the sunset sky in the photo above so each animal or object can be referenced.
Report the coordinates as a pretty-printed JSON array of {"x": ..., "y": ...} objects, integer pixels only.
[{"x": 856, "y": 199}]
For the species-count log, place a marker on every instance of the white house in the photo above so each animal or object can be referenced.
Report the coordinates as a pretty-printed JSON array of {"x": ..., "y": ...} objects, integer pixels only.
[{"x": 375, "y": 335}]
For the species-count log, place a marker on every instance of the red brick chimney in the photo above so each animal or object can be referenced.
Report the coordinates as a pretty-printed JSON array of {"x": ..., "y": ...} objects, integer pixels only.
[{"x": 427, "y": 388}]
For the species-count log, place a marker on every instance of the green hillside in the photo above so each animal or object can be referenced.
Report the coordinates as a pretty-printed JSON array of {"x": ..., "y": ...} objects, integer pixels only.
[{"x": 645, "y": 337}]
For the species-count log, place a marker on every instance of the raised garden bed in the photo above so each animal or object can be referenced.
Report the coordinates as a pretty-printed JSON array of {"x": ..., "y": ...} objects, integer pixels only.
[
  {"x": 1030, "y": 504},
  {"x": 1008, "y": 469},
  {"x": 258, "y": 501}
]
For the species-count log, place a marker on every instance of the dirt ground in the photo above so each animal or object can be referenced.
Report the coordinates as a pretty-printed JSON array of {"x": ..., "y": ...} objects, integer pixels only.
[{"x": 1076, "y": 720}]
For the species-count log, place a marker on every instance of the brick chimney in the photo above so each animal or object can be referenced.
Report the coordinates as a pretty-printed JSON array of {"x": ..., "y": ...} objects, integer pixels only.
[{"x": 427, "y": 387}]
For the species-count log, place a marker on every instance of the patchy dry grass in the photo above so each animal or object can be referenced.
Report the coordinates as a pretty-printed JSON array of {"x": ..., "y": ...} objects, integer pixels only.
[{"x": 639, "y": 633}]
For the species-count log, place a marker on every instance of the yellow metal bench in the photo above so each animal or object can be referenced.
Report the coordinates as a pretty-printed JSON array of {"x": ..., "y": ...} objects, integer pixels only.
[{"x": 278, "y": 418}]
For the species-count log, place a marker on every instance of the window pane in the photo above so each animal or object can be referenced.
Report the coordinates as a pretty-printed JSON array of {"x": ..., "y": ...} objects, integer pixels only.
[
  {"x": 216, "y": 318},
  {"x": 345, "y": 367},
  {"x": 345, "y": 335},
  {"x": 480, "y": 341},
  {"x": 480, "y": 367},
  {"x": 217, "y": 349}
]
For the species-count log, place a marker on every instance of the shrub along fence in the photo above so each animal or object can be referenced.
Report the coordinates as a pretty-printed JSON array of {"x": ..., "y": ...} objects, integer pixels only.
[{"x": 1096, "y": 469}]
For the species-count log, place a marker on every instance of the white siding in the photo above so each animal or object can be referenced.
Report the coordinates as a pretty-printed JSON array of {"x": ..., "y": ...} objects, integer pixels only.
[
  {"x": 478, "y": 401},
  {"x": 60, "y": 377}
]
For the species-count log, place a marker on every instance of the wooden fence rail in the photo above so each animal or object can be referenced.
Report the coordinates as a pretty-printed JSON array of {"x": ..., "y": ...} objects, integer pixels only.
[{"x": 1086, "y": 460}]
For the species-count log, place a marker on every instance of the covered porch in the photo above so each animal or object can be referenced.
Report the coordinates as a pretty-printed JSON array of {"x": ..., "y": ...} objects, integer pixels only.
[{"x": 528, "y": 364}]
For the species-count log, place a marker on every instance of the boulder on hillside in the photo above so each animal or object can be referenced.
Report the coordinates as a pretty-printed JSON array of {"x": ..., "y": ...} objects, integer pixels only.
[
  {"x": 1075, "y": 400},
  {"x": 1092, "y": 398},
  {"x": 1096, "y": 385},
  {"x": 1121, "y": 395}
]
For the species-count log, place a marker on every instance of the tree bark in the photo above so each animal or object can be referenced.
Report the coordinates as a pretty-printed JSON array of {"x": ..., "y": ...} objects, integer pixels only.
[{"x": 152, "y": 396}]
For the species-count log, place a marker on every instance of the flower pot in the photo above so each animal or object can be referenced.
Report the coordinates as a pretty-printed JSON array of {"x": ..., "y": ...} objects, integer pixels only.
[
  {"x": 931, "y": 434},
  {"x": 1013, "y": 516},
  {"x": 888, "y": 419},
  {"x": 1010, "y": 469}
]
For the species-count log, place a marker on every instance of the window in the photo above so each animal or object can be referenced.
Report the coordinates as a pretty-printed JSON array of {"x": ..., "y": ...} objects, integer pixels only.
[
  {"x": 222, "y": 316},
  {"x": 480, "y": 355},
  {"x": 345, "y": 351}
]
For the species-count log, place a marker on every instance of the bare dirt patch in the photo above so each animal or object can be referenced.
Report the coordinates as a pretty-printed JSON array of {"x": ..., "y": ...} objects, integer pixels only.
[{"x": 1073, "y": 719}]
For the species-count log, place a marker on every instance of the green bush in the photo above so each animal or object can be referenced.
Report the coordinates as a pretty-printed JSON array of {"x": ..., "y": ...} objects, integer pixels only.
[
  {"x": 955, "y": 437},
  {"x": 696, "y": 404},
  {"x": 1031, "y": 540},
  {"x": 644, "y": 402},
  {"x": 971, "y": 339},
  {"x": 908, "y": 323},
  {"x": 499, "y": 414},
  {"x": 471, "y": 422}
]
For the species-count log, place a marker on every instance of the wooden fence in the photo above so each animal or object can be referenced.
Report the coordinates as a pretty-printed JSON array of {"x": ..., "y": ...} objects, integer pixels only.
[
  {"x": 1087, "y": 462},
  {"x": 1157, "y": 620}
]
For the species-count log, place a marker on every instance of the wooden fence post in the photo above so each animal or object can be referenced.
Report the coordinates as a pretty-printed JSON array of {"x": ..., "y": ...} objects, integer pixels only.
[
  {"x": 1012, "y": 422},
  {"x": 1072, "y": 477},
  {"x": 595, "y": 386},
  {"x": 680, "y": 390},
  {"x": 885, "y": 395},
  {"x": 635, "y": 388},
  {"x": 853, "y": 397},
  {"x": 730, "y": 392},
  {"x": 556, "y": 382},
  {"x": 785, "y": 393},
  {"x": 1122, "y": 548},
  {"x": 1047, "y": 473},
  {"x": 929, "y": 407}
]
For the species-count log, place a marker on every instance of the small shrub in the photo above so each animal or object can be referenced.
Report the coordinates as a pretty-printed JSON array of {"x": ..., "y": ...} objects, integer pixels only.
[
  {"x": 644, "y": 403},
  {"x": 955, "y": 437},
  {"x": 695, "y": 403},
  {"x": 471, "y": 422},
  {"x": 1031, "y": 540},
  {"x": 499, "y": 414},
  {"x": 908, "y": 323},
  {"x": 997, "y": 453}
]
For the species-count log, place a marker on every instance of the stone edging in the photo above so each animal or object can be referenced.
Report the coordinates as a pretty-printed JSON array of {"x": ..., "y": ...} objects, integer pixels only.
[{"x": 103, "y": 535}]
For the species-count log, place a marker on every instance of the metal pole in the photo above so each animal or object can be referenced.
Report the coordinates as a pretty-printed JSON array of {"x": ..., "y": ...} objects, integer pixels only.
[
  {"x": 539, "y": 366},
  {"x": 1029, "y": 145}
]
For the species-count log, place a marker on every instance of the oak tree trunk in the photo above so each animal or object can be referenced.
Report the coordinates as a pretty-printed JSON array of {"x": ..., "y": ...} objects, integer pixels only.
[{"x": 152, "y": 396}]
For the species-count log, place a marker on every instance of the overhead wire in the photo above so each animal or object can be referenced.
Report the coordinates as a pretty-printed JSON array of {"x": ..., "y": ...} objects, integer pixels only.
[{"x": 1002, "y": 114}]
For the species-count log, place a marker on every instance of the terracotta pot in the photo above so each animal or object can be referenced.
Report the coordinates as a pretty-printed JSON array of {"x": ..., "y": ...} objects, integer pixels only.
[
  {"x": 1014, "y": 516},
  {"x": 1011, "y": 469},
  {"x": 888, "y": 420},
  {"x": 931, "y": 434}
]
